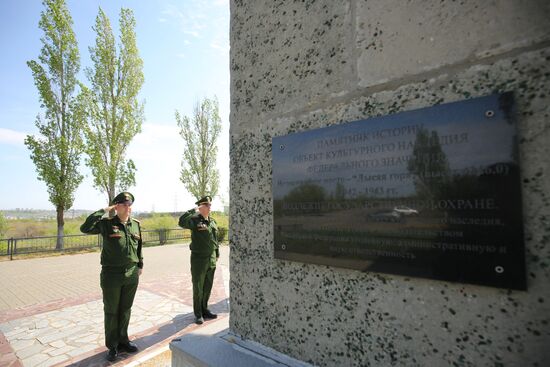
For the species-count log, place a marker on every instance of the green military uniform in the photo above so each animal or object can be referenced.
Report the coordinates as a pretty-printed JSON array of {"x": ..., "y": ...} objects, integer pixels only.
[
  {"x": 204, "y": 253},
  {"x": 121, "y": 260}
]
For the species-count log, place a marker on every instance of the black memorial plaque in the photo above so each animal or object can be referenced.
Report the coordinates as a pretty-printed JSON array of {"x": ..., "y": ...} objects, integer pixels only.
[{"x": 431, "y": 193}]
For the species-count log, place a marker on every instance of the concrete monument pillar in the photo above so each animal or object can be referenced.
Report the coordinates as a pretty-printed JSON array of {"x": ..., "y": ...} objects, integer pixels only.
[{"x": 300, "y": 65}]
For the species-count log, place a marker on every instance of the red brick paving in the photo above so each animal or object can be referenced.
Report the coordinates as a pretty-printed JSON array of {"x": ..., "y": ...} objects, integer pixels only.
[{"x": 7, "y": 355}]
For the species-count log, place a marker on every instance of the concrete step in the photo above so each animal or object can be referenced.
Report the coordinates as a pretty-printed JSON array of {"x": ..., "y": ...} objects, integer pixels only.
[
  {"x": 161, "y": 357},
  {"x": 214, "y": 346}
]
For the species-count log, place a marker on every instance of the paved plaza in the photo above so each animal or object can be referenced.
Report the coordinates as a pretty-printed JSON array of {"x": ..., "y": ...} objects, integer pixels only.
[{"x": 51, "y": 313}]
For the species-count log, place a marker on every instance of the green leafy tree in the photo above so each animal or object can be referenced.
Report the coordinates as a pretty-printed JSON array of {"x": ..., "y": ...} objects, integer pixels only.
[
  {"x": 200, "y": 133},
  {"x": 56, "y": 150},
  {"x": 429, "y": 164},
  {"x": 340, "y": 192},
  {"x": 114, "y": 112},
  {"x": 3, "y": 225},
  {"x": 306, "y": 192}
]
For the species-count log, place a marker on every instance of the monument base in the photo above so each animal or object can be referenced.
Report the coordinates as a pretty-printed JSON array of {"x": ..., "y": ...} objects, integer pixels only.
[{"x": 214, "y": 345}]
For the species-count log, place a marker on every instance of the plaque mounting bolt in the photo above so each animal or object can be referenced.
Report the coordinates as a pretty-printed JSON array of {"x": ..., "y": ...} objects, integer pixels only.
[
  {"x": 283, "y": 247},
  {"x": 282, "y": 147},
  {"x": 489, "y": 113},
  {"x": 499, "y": 269}
]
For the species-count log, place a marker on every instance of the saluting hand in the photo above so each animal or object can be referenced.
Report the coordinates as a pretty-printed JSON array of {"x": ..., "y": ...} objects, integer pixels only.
[{"x": 109, "y": 208}]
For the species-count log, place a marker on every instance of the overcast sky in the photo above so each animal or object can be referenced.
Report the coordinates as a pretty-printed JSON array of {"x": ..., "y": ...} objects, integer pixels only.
[{"x": 185, "y": 49}]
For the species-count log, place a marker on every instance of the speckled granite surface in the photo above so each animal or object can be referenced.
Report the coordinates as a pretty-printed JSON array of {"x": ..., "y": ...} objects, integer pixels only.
[{"x": 297, "y": 65}]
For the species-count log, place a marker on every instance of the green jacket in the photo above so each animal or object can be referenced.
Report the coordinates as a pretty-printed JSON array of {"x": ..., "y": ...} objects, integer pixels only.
[
  {"x": 204, "y": 233},
  {"x": 120, "y": 240}
]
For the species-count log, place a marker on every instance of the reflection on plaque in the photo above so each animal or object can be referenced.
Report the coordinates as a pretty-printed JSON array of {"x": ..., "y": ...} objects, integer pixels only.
[{"x": 431, "y": 193}]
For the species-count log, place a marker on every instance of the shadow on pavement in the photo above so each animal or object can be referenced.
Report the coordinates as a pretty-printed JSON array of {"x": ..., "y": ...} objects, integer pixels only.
[{"x": 147, "y": 339}]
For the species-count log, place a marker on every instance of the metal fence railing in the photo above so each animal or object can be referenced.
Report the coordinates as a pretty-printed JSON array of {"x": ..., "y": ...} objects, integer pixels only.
[{"x": 17, "y": 246}]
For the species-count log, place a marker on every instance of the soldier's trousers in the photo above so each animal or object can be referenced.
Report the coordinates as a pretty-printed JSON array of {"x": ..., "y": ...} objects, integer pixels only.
[
  {"x": 119, "y": 286},
  {"x": 202, "y": 276}
]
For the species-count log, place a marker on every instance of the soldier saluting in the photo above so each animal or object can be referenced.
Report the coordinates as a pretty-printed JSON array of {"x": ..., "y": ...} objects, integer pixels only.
[
  {"x": 204, "y": 254},
  {"x": 121, "y": 266}
]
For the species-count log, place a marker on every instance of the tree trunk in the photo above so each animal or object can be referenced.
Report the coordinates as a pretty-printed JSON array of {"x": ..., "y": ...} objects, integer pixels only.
[
  {"x": 111, "y": 195},
  {"x": 60, "y": 225}
]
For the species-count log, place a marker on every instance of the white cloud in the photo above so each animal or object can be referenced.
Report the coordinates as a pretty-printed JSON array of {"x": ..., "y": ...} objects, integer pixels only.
[
  {"x": 12, "y": 137},
  {"x": 181, "y": 55},
  {"x": 199, "y": 19},
  {"x": 192, "y": 33},
  {"x": 190, "y": 20},
  {"x": 171, "y": 11},
  {"x": 217, "y": 46}
]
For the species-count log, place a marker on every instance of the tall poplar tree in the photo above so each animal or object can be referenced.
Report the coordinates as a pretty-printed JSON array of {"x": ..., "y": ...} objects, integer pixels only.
[
  {"x": 57, "y": 148},
  {"x": 200, "y": 133},
  {"x": 114, "y": 112},
  {"x": 429, "y": 164}
]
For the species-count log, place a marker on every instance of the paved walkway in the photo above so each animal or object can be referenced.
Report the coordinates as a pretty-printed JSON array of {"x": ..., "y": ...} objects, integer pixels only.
[{"x": 51, "y": 313}]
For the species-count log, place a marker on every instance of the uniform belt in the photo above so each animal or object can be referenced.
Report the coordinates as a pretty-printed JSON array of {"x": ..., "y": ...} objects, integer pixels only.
[
  {"x": 118, "y": 267},
  {"x": 202, "y": 254}
]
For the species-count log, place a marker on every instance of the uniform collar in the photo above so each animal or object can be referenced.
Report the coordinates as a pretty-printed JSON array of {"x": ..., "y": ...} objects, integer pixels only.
[{"x": 117, "y": 218}]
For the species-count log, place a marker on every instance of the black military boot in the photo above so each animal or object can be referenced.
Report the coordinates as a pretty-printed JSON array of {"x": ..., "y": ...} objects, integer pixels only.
[
  {"x": 112, "y": 354},
  {"x": 128, "y": 347},
  {"x": 199, "y": 320},
  {"x": 209, "y": 315}
]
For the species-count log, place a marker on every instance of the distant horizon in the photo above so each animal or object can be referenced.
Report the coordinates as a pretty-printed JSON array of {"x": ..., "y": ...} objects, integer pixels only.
[{"x": 215, "y": 209}]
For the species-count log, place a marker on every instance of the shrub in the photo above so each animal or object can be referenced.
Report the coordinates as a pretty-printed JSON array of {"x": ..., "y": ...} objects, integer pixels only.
[
  {"x": 72, "y": 226},
  {"x": 3, "y": 224},
  {"x": 221, "y": 219},
  {"x": 159, "y": 221},
  {"x": 222, "y": 232}
]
